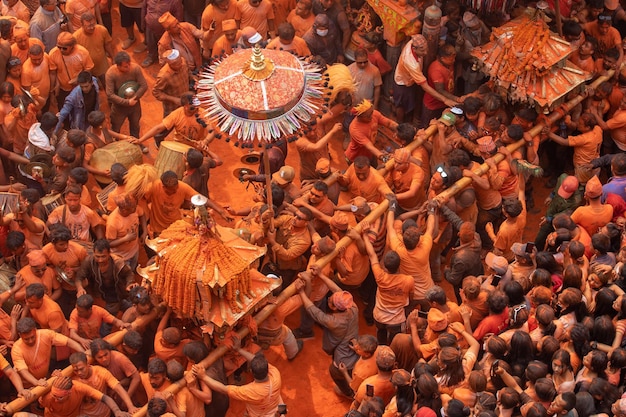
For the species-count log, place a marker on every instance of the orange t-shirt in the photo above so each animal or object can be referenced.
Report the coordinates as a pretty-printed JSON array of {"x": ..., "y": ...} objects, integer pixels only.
[
  {"x": 76, "y": 8},
  {"x": 120, "y": 366},
  {"x": 592, "y": 219},
  {"x": 100, "y": 379},
  {"x": 167, "y": 353},
  {"x": 357, "y": 265},
  {"x": 617, "y": 126},
  {"x": 383, "y": 388},
  {"x": 261, "y": 398},
  {"x": 403, "y": 181},
  {"x": 415, "y": 263},
  {"x": 69, "y": 66},
  {"x": 257, "y": 17},
  {"x": 36, "y": 359},
  {"x": 164, "y": 208},
  {"x": 299, "y": 24},
  {"x": 586, "y": 146},
  {"x": 49, "y": 280},
  {"x": 510, "y": 233},
  {"x": 50, "y": 316},
  {"x": 373, "y": 189},
  {"x": 79, "y": 224},
  {"x": 119, "y": 226},
  {"x": 69, "y": 261},
  {"x": 22, "y": 54},
  {"x": 392, "y": 295},
  {"x": 89, "y": 328},
  {"x": 297, "y": 46},
  {"x": 187, "y": 126},
  {"x": 363, "y": 369},
  {"x": 5, "y": 326},
  {"x": 145, "y": 380},
  {"x": 71, "y": 406}
]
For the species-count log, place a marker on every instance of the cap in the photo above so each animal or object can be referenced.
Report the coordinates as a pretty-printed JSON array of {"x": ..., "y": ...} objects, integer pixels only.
[
  {"x": 497, "y": 263},
  {"x": 470, "y": 20},
  {"x": 229, "y": 24},
  {"x": 437, "y": 321},
  {"x": 340, "y": 221},
  {"x": 171, "y": 54},
  {"x": 519, "y": 249},
  {"x": 285, "y": 175},
  {"x": 342, "y": 300},
  {"x": 593, "y": 189},
  {"x": 419, "y": 41},
  {"x": 385, "y": 358},
  {"x": 400, "y": 377},
  {"x": 448, "y": 119},
  {"x": 568, "y": 187},
  {"x": 401, "y": 155},
  {"x": 322, "y": 166},
  {"x": 486, "y": 144},
  {"x": 457, "y": 111},
  {"x": 251, "y": 34},
  {"x": 167, "y": 20}
]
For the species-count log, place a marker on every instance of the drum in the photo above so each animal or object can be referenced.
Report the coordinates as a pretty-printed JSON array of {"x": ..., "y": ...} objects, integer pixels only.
[
  {"x": 122, "y": 152},
  {"x": 52, "y": 201},
  {"x": 171, "y": 157},
  {"x": 103, "y": 196}
]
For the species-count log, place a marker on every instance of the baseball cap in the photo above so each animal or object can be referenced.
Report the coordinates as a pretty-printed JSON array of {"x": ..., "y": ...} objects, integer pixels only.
[
  {"x": 568, "y": 186},
  {"x": 497, "y": 263},
  {"x": 448, "y": 119},
  {"x": 437, "y": 321},
  {"x": 285, "y": 175}
]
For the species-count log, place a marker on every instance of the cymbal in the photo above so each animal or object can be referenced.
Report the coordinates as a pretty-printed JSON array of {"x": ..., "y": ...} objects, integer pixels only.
[
  {"x": 251, "y": 158},
  {"x": 239, "y": 172}
]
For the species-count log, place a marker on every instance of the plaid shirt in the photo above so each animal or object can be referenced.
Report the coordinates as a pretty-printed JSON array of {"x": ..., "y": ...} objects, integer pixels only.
[{"x": 171, "y": 83}]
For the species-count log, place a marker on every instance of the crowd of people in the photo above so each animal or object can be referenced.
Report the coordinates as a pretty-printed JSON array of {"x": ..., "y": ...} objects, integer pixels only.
[{"x": 464, "y": 317}]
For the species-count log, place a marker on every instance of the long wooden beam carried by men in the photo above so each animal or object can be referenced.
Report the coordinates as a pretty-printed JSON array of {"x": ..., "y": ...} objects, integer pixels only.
[
  {"x": 535, "y": 130},
  {"x": 263, "y": 314}
]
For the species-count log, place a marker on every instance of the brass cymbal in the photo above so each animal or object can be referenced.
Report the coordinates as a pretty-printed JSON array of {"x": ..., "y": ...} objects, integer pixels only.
[
  {"x": 251, "y": 158},
  {"x": 239, "y": 172}
]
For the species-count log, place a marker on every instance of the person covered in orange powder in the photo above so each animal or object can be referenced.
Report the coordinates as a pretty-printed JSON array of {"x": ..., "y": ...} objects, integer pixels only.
[{"x": 66, "y": 397}]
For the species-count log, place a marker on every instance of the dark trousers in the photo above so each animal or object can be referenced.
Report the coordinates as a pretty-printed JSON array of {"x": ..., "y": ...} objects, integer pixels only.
[
  {"x": 120, "y": 113},
  {"x": 340, "y": 380},
  {"x": 494, "y": 216},
  {"x": 386, "y": 332},
  {"x": 367, "y": 291}
]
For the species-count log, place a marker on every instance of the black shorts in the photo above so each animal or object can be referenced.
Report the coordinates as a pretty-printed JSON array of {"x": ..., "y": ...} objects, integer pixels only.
[
  {"x": 405, "y": 97},
  {"x": 130, "y": 15}
]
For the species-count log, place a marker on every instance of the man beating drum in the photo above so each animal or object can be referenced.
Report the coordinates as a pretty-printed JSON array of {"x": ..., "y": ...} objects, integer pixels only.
[{"x": 188, "y": 127}]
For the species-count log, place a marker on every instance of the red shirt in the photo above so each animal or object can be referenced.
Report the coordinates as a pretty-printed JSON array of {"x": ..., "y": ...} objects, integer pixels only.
[{"x": 438, "y": 74}]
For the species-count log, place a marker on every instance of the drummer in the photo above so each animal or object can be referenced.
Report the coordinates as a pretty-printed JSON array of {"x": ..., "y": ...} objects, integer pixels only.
[{"x": 188, "y": 127}]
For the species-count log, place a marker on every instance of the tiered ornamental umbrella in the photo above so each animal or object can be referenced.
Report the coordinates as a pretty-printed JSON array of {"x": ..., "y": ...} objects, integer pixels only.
[
  {"x": 529, "y": 62},
  {"x": 260, "y": 96}
]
